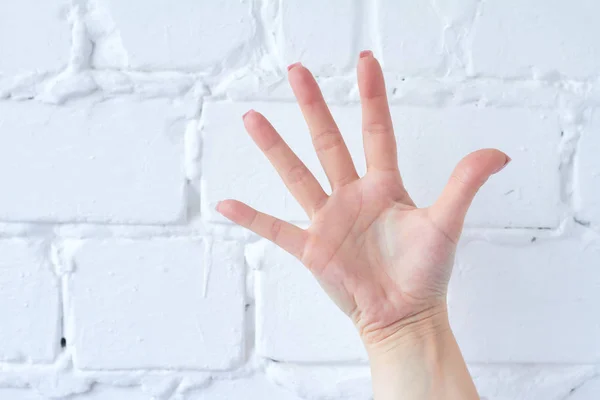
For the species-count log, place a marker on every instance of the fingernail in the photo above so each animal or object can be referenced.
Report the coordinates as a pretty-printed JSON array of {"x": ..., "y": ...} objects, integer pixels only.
[
  {"x": 366, "y": 53},
  {"x": 217, "y": 206},
  {"x": 294, "y": 65},
  {"x": 246, "y": 114},
  {"x": 508, "y": 160}
]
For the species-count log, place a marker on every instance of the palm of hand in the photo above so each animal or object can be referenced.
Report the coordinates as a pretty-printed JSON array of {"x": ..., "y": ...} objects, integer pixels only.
[{"x": 380, "y": 258}]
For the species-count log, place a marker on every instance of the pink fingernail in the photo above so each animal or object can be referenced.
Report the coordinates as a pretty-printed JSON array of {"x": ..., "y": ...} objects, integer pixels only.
[
  {"x": 246, "y": 114},
  {"x": 294, "y": 65},
  {"x": 508, "y": 160},
  {"x": 366, "y": 53},
  {"x": 217, "y": 206}
]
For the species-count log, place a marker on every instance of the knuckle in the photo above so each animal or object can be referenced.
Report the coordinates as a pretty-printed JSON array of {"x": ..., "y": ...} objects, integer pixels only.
[
  {"x": 345, "y": 179},
  {"x": 271, "y": 144},
  {"x": 376, "y": 129},
  {"x": 327, "y": 139},
  {"x": 461, "y": 179},
  {"x": 297, "y": 174},
  {"x": 275, "y": 229},
  {"x": 320, "y": 203},
  {"x": 253, "y": 220},
  {"x": 468, "y": 179}
]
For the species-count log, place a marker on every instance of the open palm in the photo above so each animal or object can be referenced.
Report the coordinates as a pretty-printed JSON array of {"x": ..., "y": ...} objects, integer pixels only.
[{"x": 378, "y": 256}]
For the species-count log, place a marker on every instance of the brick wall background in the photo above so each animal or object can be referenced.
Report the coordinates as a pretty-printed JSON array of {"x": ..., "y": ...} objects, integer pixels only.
[{"x": 120, "y": 129}]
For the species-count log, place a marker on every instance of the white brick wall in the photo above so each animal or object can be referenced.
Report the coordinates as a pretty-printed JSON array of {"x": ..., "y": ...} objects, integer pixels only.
[
  {"x": 180, "y": 283},
  {"x": 47, "y": 46},
  {"x": 29, "y": 308},
  {"x": 120, "y": 128}
]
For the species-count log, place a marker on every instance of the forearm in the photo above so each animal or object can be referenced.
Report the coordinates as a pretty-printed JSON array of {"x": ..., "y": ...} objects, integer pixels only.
[{"x": 421, "y": 362}]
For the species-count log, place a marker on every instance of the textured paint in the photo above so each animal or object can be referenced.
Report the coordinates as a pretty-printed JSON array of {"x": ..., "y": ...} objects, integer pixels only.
[{"x": 120, "y": 129}]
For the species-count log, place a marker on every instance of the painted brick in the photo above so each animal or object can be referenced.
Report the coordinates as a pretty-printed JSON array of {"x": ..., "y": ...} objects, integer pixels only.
[
  {"x": 47, "y": 44},
  {"x": 185, "y": 34},
  {"x": 257, "y": 386},
  {"x": 29, "y": 306},
  {"x": 19, "y": 394},
  {"x": 526, "y": 194},
  {"x": 525, "y": 303},
  {"x": 291, "y": 328},
  {"x": 349, "y": 382},
  {"x": 512, "y": 38},
  {"x": 308, "y": 37},
  {"x": 114, "y": 394},
  {"x": 411, "y": 37},
  {"x": 160, "y": 303},
  {"x": 527, "y": 382},
  {"x": 590, "y": 390},
  {"x": 118, "y": 161},
  {"x": 587, "y": 171},
  {"x": 462, "y": 74},
  {"x": 430, "y": 142}
]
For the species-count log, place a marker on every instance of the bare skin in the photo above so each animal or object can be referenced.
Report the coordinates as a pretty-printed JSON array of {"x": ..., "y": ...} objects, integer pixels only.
[{"x": 382, "y": 260}]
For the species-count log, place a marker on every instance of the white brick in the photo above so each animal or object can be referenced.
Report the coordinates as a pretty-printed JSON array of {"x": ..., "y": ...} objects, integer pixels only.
[
  {"x": 528, "y": 381},
  {"x": 29, "y": 306},
  {"x": 527, "y": 303},
  {"x": 308, "y": 35},
  {"x": 100, "y": 392},
  {"x": 430, "y": 142},
  {"x": 162, "y": 303},
  {"x": 411, "y": 37},
  {"x": 526, "y": 194},
  {"x": 33, "y": 36},
  {"x": 137, "y": 320},
  {"x": 256, "y": 387},
  {"x": 590, "y": 390},
  {"x": 513, "y": 37},
  {"x": 188, "y": 34},
  {"x": 587, "y": 172},
  {"x": 323, "y": 382},
  {"x": 19, "y": 394},
  {"x": 117, "y": 161},
  {"x": 295, "y": 320}
]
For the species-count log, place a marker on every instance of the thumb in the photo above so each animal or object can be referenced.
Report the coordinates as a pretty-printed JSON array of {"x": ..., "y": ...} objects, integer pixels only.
[{"x": 449, "y": 211}]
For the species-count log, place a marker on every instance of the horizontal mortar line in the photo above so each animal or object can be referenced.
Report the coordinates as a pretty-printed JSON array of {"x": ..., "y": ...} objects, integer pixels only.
[
  {"x": 160, "y": 371},
  {"x": 148, "y": 237},
  {"x": 160, "y": 76},
  {"x": 534, "y": 364},
  {"x": 342, "y": 363},
  {"x": 467, "y": 228}
]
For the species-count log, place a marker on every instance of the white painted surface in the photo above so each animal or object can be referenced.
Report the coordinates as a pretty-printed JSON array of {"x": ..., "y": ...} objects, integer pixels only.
[{"x": 120, "y": 128}]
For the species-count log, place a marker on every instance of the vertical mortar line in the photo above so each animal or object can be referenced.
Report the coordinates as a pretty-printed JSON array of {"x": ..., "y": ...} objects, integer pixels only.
[
  {"x": 82, "y": 46},
  {"x": 445, "y": 64},
  {"x": 199, "y": 181},
  {"x": 65, "y": 310},
  {"x": 192, "y": 158},
  {"x": 466, "y": 41},
  {"x": 208, "y": 244},
  {"x": 265, "y": 39},
  {"x": 249, "y": 307},
  {"x": 56, "y": 261},
  {"x": 52, "y": 254},
  {"x": 572, "y": 119}
]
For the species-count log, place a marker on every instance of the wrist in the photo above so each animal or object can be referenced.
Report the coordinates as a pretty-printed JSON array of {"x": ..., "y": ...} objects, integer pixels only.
[
  {"x": 422, "y": 327},
  {"x": 419, "y": 359}
]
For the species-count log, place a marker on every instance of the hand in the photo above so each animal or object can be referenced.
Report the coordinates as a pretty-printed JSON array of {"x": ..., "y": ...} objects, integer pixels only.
[{"x": 385, "y": 262}]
